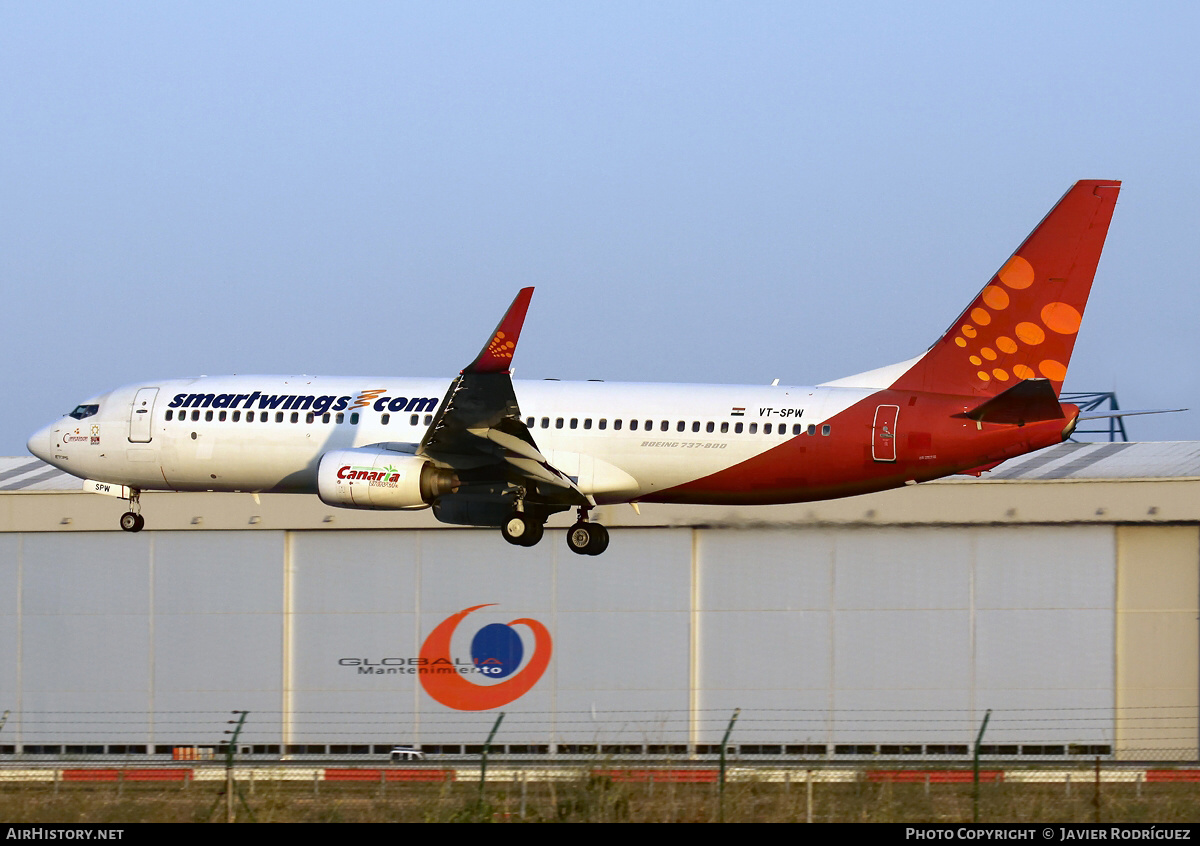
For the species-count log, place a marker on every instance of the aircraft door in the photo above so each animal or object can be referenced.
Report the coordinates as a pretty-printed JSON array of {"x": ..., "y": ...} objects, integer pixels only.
[
  {"x": 883, "y": 446},
  {"x": 142, "y": 415}
]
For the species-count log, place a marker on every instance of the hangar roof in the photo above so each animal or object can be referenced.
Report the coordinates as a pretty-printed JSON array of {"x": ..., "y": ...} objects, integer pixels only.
[
  {"x": 26, "y": 473},
  {"x": 1107, "y": 483},
  {"x": 1150, "y": 460},
  {"x": 1093, "y": 461}
]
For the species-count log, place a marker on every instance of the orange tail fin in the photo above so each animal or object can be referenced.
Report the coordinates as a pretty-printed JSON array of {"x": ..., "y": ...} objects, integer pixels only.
[{"x": 1022, "y": 325}]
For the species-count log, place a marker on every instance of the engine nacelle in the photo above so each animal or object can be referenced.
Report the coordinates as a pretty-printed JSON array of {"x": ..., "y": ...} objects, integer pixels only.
[{"x": 373, "y": 478}]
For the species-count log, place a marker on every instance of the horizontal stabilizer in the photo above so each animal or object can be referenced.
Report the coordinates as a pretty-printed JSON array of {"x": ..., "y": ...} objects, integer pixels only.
[
  {"x": 1102, "y": 415},
  {"x": 1028, "y": 401}
]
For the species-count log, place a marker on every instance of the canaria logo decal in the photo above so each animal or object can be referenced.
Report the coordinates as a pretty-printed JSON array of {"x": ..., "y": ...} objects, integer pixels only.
[{"x": 496, "y": 651}]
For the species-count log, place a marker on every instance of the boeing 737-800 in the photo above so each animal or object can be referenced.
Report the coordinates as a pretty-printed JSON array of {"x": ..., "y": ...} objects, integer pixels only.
[{"x": 493, "y": 452}]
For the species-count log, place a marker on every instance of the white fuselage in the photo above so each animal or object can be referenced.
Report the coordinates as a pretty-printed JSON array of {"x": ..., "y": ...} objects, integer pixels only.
[{"x": 268, "y": 433}]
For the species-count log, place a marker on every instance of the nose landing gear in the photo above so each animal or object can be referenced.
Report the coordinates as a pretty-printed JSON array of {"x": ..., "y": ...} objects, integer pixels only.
[{"x": 132, "y": 520}]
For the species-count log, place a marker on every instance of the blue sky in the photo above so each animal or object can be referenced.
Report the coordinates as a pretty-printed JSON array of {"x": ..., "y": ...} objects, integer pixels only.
[{"x": 706, "y": 192}]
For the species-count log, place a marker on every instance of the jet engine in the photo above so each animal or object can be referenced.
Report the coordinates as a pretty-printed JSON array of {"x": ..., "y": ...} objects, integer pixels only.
[{"x": 381, "y": 479}]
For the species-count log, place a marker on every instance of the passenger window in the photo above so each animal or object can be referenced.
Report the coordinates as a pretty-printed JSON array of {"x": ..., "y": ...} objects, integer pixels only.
[
  {"x": 797, "y": 429},
  {"x": 354, "y": 418},
  {"x": 545, "y": 422},
  {"x": 812, "y": 430},
  {"x": 724, "y": 428},
  {"x": 295, "y": 416},
  {"x": 737, "y": 428},
  {"x": 666, "y": 425},
  {"x": 617, "y": 425},
  {"x": 339, "y": 419},
  {"x": 385, "y": 419},
  {"x": 528, "y": 422},
  {"x": 680, "y": 426},
  {"x": 428, "y": 419},
  {"x": 587, "y": 422},
  {"x": 603, "y": 423},
  {"x": 708, "y": 427},
  {"x": 237, "y": 416},
  {"x": 249, "y": 416},
  {"x": 574, "y": 422},
  {"x": 753, "y": 428},
  {"x": 325, "y": 417},
  {"x": 195, "y": 416},
  {"x": 221, "y": 417},
  {"x": 766, "y": 428},
  {"x": 169, "y": 413},
  {"x": 826, "y": 429},
  {"x": 412, "y": 421},
  {"x": 695, "y": 425},
  {"x": 208, "y": 417},
  {"x": 558, "y": 423}
]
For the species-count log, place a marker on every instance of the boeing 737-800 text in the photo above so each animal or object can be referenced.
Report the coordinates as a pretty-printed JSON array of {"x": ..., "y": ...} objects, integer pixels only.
[{"x": 493, "y": 452}]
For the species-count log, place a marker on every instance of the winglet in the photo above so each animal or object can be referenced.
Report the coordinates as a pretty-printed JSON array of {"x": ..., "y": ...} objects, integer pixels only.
[{"x": 496, "y": 355}]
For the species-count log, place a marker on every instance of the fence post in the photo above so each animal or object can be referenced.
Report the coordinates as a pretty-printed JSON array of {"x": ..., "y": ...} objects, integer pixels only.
[
  {"x": 487, "y": 746},
  {"x": 978, "y": 741},
  {"x": 721, "y": 786},
  {"x": 230, "y": 752}
]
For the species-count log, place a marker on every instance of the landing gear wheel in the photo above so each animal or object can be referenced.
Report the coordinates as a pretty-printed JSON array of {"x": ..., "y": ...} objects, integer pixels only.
[
  {"x": 599, "y": 540},
  {"x": 131, "y": 522},
  {"x": 520, "y": 530},
  {"x": 587, "y": 538}
]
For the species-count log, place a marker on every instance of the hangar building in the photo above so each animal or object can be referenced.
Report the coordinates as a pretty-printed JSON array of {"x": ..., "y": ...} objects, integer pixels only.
[{"x": 1061, "y": 592}]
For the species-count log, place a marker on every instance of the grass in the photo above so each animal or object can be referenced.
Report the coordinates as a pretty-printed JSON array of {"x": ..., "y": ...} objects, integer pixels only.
[{"x": 600, "y": 800}]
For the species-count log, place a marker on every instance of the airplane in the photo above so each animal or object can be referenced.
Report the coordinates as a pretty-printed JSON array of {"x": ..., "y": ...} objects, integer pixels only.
[{"x": 490, "y": 451}]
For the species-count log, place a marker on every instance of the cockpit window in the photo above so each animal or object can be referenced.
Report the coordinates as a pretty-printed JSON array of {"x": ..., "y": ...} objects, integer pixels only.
[{"x": 82, "y": 411}]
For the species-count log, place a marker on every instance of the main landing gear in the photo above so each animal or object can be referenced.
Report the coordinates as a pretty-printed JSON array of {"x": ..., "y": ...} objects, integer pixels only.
[
  {"x": 132, "y": 520},
  {"x": 523, "y": 528},
  {"x": 585, "y": 538}
]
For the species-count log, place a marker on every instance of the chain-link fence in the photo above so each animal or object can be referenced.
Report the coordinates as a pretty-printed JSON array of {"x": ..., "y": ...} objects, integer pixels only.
[{"x": 1052, "y": 764}]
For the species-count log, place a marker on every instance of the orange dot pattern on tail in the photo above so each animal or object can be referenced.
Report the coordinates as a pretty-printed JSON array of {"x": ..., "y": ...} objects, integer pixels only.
[
  {"x": 1024, "y": 322},
  {"x": 498, "y": 347},
  {"x": 995, "y": 334}
]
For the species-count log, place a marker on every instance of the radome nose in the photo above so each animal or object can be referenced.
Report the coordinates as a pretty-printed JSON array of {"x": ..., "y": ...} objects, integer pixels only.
[{"x": 39, "y": 443}]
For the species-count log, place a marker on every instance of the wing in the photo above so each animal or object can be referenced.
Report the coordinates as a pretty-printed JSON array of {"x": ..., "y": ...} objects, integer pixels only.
[{"x": 478, "y": 429}]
